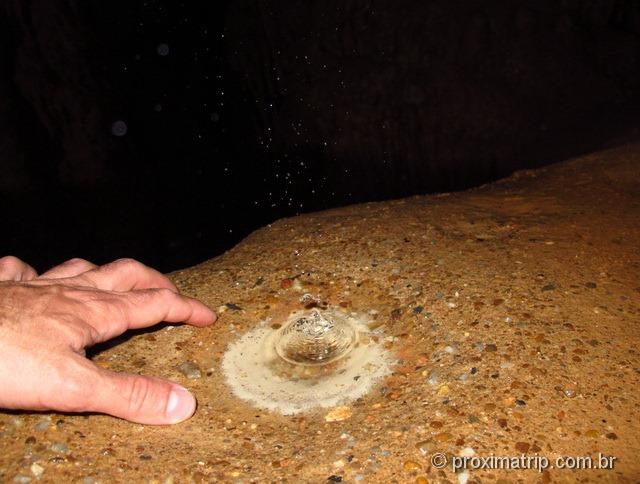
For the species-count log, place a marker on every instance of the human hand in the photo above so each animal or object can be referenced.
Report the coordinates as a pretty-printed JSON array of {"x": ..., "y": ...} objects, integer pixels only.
[{"x": 47, "y": 321}]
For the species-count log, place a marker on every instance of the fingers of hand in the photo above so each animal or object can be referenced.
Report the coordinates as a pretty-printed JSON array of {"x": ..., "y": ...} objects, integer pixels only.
[
  {"x": 112, "y": 313},
  {"x": 127, "y": 275},
  {"x": 146, "y": 307},
  {"x": 70, "y": 268},
  {"x": 13, "y": 269}
]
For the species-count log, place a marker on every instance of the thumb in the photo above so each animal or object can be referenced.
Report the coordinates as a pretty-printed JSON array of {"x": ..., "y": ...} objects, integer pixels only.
[{"x": 142, "y": 399}]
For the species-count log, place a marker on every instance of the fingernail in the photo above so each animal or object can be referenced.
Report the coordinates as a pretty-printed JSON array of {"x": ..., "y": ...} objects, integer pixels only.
[{"x": 181, "y": 404}]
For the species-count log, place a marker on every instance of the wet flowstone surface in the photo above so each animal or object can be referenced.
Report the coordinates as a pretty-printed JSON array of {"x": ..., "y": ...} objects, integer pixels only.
[{"x": 512, "y": 312}]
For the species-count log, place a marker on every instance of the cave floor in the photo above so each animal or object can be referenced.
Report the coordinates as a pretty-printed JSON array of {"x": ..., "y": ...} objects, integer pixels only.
[{"x": 513, "y": 309}]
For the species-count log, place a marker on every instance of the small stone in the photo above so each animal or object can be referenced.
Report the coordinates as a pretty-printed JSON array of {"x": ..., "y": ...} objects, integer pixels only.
[
  {"x": 233, "y": 307},
  {"x": 334, "y": 478},
  {"x": 89, "y": 480},
  {"x": 42, "y": 425},
  {"x": 522, "y": 447},
  {"x": 436, "y": 424},
  {"x": 190, "y": 370},
  {"x": 418, "y": 309},
  {"x": 592, "y": 433},
  {"x": 491, "y": 348},
  {"x": 36, "y": 469},
  {"x": 611, "y": 436},
  {"x": 145, "y": 457},
  {"x": 549, "y": 287},
  {"x": 591, "y": 285},
  {"x": 421, "y": 480},
  {"x": 411, "y": 465},
  {"x": 467, "y": 452},
  {"x": 21, "y": 479},
  {"x": 472, "y": 419},
  {"x": 30, "y": 440},
  {"x": 338, "y": 414},
  {"x": 443, "y": 437},
  {"x": 521, "y": 403},
  {"x": 286, "y": 283},
  {"x": 59, "y": 447},
  {"x": 424, "y": 447}
]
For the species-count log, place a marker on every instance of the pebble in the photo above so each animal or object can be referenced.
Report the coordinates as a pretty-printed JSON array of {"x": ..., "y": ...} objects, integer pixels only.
[
  {"x": 549, "y": 287},
  {"x": 411, "y": 465},
  {"x": 338, "y": 414},
  {"x": 522, "y": 447},
  {"x": 467, "y": 452},
  {"x": 424, "y": 447},
  {"x": 59, "y": 447},
  {"x": 434, "y": 378},
  {"x": 21, "y": 478},
  {"x": 491, "y": 348},
  {"x": 334, "y": 478},
  {"x": 36, "y": 469},
  {"x": 190, "y": 370},
  {"x": 421, "y": 480},
  {"x": 443, "y": 437},
  {"x": 42, "y": 425},
  {"x": 592, "y": 433}
]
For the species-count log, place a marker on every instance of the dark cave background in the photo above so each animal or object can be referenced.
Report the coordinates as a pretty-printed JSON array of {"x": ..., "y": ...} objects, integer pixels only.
[{"x": 168, "y": 131}]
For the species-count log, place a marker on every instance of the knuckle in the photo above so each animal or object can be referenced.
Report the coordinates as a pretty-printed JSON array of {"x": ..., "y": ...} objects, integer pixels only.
[
  {"x": 10, "y": 263},
  {"x": 128, "y": 263}
]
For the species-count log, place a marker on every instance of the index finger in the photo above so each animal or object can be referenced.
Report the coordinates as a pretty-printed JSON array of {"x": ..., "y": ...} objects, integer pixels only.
[{"x": 144, "y": 308}]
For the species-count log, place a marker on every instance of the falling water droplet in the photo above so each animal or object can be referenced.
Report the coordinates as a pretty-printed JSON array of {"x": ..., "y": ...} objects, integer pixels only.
[
  {"x": 163, "y": 49},
  {"x": 316, "y": 339},
  {"x": 119, "y": 128}
]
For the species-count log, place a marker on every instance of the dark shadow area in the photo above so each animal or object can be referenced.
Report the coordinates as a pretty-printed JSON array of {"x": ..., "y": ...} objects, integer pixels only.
[{"x": 168, "y": 132}]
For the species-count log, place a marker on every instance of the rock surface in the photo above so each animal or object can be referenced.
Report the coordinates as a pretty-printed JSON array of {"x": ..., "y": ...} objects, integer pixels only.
[{"x": 514, "y": 309}]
